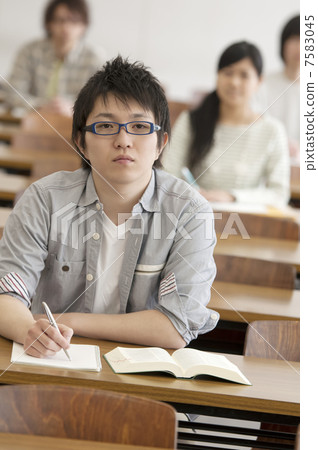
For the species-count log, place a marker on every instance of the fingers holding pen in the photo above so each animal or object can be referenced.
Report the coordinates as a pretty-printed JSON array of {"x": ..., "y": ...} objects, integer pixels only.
[{"x": 43, "y": 339}]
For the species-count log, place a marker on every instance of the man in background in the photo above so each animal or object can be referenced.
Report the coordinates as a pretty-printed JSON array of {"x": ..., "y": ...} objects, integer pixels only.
[{"x": 48, "y": 73}]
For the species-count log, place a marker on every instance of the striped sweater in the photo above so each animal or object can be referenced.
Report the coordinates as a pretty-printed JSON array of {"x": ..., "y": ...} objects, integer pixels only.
[{"x": 249, "y": 161}]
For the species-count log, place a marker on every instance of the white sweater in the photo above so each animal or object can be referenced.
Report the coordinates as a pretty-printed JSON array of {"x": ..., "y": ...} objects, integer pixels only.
[{"x": 249, "y": 161}]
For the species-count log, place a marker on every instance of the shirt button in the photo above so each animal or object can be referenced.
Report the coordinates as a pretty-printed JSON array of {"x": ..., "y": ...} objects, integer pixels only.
[
  {"x": 96, "y": 236},
  {"x": 214, "y": 316},
  {"x": 89, "y": 277},
  {"x": 65, "y": 268},
  {"x": 98, "y": 207}
]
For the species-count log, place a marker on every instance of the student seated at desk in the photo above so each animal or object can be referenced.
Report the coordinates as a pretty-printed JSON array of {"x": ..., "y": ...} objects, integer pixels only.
[
  {"x": 49, "y": 73},
  {"x": 232, "y": 152},
  {"x": 279, "y": 94},
  {"x": 119, "y": 249}
]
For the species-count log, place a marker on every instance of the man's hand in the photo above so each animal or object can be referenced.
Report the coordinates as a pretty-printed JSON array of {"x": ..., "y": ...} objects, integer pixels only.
[{"x": 44, "y": 340}]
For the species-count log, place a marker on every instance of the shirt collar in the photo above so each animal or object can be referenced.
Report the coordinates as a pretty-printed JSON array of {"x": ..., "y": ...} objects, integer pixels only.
[
  {"x": 73, "y": 55},
  {"x": 149, "y": 200},
  {"x": 89, "y": 194}
]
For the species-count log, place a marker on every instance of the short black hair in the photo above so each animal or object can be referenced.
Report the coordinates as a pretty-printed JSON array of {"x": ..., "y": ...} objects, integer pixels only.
[
  {"x": 292, "y": 28},
  {"x": 78, "y": 7},
  {"x": 126, "y": 81}
]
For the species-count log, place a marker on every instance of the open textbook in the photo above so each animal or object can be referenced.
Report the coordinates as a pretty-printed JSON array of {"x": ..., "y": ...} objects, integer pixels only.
[
  {"x": 183, "y": 363},
  {"x": 83, "y": 357}
]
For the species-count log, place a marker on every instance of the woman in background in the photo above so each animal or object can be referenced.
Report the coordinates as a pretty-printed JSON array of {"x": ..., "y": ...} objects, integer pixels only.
[{"x": 234, "y": 154}]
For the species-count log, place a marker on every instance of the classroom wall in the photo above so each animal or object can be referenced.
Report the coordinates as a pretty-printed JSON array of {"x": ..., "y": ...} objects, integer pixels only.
[{"x": 180, "y": 40}]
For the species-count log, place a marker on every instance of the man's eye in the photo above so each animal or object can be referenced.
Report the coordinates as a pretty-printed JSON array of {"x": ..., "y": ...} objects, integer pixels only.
[{"x": 105, "y": 126}]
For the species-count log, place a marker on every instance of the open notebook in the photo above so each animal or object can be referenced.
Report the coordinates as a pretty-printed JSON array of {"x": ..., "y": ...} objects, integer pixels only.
[{"x": 83, "y": 357}]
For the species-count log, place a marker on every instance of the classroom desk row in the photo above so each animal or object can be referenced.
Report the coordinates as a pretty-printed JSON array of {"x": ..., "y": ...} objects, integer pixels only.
[
  {"x": 10, "y": 441},
  {"x": 267, "y": 249},
  {"x": 273, "y": 396},
  {"x": 246, "y": 303},
  {"x": 275, "y": 250}
]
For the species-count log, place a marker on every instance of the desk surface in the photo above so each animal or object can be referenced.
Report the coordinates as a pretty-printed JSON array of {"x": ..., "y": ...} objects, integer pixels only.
[
  {"x": 11, "y": 185},
  {"x": 7, "y": 130},
  {"x": 42, "y": 162},
  {"x": 10, "y": 441},
  {"x": 275, "y": 250},
  {"x": 275, "y": 386},
  {"x": 245, "y": 303}
]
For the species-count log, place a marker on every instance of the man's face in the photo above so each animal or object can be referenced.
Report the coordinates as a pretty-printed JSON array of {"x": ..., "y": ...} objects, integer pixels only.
[
  {"x": 123, "y": 158},
  {"x": 66, "y": 27}
]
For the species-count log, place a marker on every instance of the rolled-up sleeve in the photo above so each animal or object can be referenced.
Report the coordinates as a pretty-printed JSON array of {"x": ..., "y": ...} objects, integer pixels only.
[
  {"x": 189, "y": 272},
  {"x": 23, "y": 247}
]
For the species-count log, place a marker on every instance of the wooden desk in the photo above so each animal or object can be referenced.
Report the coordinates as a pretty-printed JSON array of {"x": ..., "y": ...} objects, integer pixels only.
[
  {"x": 9, "y": 441},
  {"x": 274, "y": 390},
  {"x": 4, "y": 214},
  {"x": 11, "y": 185},
  {"x": 275, "y": 250},
  {"x": 8, "y": 117},
  {"x": 7, "y": 131},
  {"x": 246, "y": 303},
  {"x": 287, "y": 212},
  {"x": 295, "y": 182},
  {"x": 274, "y": 395},
  {"x": 38, "y": 163}
]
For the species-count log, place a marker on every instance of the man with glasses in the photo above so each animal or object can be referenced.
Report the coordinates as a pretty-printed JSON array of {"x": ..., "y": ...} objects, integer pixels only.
[
  {"x": 119, "y": 249},
  {"x": 50, "y": 72}
]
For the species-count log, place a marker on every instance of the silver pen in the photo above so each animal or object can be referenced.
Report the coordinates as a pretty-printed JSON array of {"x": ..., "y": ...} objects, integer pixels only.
[{"x": 53, "y": 323}]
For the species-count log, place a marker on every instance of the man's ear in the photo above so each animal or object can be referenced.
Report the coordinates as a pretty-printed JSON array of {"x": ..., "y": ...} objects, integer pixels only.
[
  {"x": 79, "y": 145},
  {"x": 165, "y": 142}
]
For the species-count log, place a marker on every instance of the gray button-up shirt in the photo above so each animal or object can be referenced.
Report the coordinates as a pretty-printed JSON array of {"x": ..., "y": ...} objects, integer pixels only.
[{"x": 51, "y": 243}]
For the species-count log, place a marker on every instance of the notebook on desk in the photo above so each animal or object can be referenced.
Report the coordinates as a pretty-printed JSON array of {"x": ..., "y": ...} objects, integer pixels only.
[{"x": 83, "y": 357}]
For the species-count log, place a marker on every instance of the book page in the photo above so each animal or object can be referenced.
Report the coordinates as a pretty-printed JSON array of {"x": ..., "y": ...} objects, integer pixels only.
[
  {"x": 83, "y": 357},
  {"x": 196, "y": 362},
  {"x": 149, "y": 359},
  {"x": 188, "y": 357}
]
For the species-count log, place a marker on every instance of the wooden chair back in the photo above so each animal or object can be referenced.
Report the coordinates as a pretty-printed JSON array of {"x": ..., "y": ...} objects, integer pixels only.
[
  {"x": 236, "y": 269},
  {"x": 176, "y": 108},
  {"x": 274, "y": 339},
  {"x": 259, "y": 226},
  {"x": 88, "y": 414}
]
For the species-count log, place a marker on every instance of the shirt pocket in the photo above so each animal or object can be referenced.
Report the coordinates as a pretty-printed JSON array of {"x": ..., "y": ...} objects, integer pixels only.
[
  {"x": 62, "y": 284},
  {"x": 144, "y": 292}
]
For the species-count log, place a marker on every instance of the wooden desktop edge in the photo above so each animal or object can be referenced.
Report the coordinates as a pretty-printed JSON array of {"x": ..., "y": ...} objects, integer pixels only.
[{"x": 166, "y": 389}]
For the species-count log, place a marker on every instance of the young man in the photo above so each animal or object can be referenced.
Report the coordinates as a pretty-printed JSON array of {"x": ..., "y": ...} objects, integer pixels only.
[
  {"x": 50, "y": 72},
  {"x": 118, "y": 249}
]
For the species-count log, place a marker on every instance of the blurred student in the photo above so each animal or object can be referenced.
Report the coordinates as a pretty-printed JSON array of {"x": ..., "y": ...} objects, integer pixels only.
[
  {"x": 234, "y": 154},
  {"x": 280, "y": 92},
  {"x": 50, "y": 72},
  {"x": 146, "y": 280}
]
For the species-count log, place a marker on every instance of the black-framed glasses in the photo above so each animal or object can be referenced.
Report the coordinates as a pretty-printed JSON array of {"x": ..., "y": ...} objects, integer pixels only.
[{"x": 140, "y": 127}]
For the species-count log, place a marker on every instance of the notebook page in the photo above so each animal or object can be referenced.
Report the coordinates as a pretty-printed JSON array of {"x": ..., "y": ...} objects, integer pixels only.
[{"x": 83, "y": 357}]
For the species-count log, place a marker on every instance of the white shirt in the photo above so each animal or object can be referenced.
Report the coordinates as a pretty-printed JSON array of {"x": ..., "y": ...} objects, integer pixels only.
[
  {"x": 282, "y": 97},
  {"x": 109, "y": 266}
]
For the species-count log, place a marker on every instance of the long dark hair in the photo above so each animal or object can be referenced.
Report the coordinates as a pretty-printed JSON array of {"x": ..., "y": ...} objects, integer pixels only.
[{"x": 204, "y": 118}]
